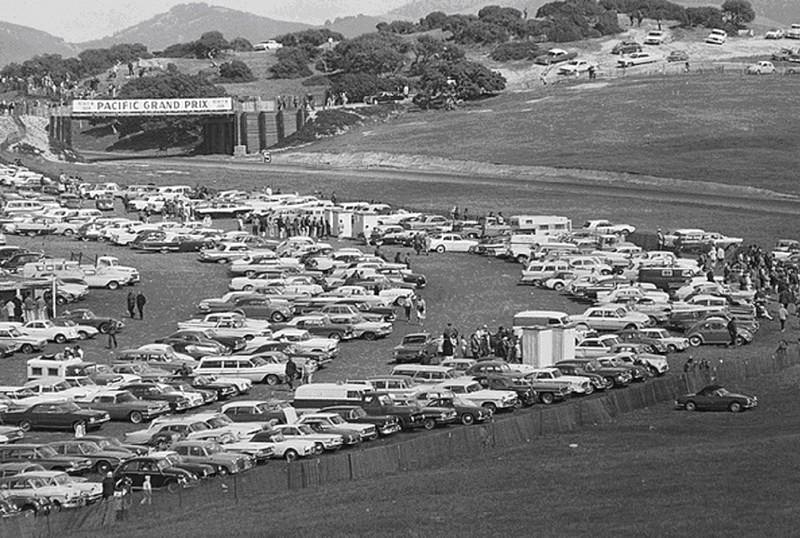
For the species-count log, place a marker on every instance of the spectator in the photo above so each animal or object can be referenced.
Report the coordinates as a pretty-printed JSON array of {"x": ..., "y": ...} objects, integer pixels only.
[
  {"x": 422, "y": 311},
  {"x": 141, "y": 300},
  {"x": 783, "y": 315},
  {"x": 309, "y": 367},
  {"x": 131, "y": 304},
  {"x": 147, "y": 490},
  {"x": 291, "y": 373},
  {"x": 108, "y": 486},
  {"x": 112, "y": 336},
  {"x": 732, "y": 331}
]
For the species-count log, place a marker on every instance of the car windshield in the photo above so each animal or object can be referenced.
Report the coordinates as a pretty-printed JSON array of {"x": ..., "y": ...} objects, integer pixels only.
[
  {"x": 305, "y": 428},
  {"x": 60, "y": 480},
  {"x": 199, "y": 427},
  {"x": 219, "y": 422},
  {"x": 413, "y": 340},
  {"x": 472, "y": 387},
  {"x": 47, "y": 451},
  {"x": 169, "y": 460},
  {"x": 336, "y": 419},
  {"x": 555, "y": 373},
  {"x": 13, "y": 331}
]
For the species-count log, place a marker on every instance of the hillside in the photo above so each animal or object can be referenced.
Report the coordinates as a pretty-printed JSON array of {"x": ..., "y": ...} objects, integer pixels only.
[
  {"x": 186, "y": 22},
  {"x": 18, "y": 43},
  {"x": 355, "y": 25}
]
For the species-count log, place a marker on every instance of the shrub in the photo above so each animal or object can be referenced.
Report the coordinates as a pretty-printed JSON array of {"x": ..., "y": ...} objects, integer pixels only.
[
  {"x": 292, "y": 63},
  {"x": 516, "y": 50},
  {"x": 235, "y": 71}
]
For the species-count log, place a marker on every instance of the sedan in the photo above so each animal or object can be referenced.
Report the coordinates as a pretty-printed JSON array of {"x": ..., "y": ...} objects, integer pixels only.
[
  {"x": 716, "y": 398},
  {"x": 714, "y": 330},
  {"x": 637, "y": 58},
  {"x": 55, "y": 415}
]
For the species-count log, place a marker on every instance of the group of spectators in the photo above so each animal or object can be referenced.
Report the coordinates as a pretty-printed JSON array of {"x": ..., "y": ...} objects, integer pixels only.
[{"x": 28, "y": 308}]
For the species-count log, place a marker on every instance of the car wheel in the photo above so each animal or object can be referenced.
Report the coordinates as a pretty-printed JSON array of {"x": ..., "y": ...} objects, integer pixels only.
[
  {"x": 24, "y": 425},
  {"x": 249, "y": 287},
  {"x": 135, "y": 417},
  {"x": 691, "y": 406},
  {"x": 102, "y": 467},
  {"x": 83, "y": 335},
  {"x": 335, "y": 335},
  {"x": 740, "y": 341},
  {"x": 671, "y": 348},
  {"x": 68, "y": 232},
  {"x": 277, "y": 317},
  {"x": 271, "y": 380},
  {"x": 589, "y": 389},
  {"x": 104, "y": 328},
  {"x": 630, "y": 327},
  {"x": 173, "y": 487},
  {"x": 653, "y": 371},
  {"x": 26, "y": 348},
  {"x": 522, "y": 259},
  {"x": 290, "y": 455},
  {"x": 558, "y": 286},
  {"x": 518, "y": 403},
  {"x": 429, "y": 424},
  {"x": 319, "y": 448},
  {"x": 440, "y": 249},
  {"x": 695, "y": 340},
  {"x": 369, "y": 335},
  {"x": 489, "y": 406},
  {"x": 113, "y": 285},
  {"x": 467, "y": 419},
  {"x": 546, "y": 398},
  {"x": 222, "y": 471},
  {"x": 79, "y": 423},
  {"x": 59, "y": 339},
  {"x": 57, "y": 506},
  {"x": 61, "y": 300}
]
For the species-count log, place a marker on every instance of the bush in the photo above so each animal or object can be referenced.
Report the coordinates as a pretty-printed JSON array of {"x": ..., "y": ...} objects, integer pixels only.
[
  {"x": 235, "y": 71},
  {"x": 241, "y": 44},
  {"x": 516, "y": 50},
  {"x": 314, "y": 37},
  {"x": 292, "y": 63},
  {"x": 710, "y": 17}
]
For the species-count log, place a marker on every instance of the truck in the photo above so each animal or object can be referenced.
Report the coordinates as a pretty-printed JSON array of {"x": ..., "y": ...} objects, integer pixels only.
[{"x": 378, "y": 403}]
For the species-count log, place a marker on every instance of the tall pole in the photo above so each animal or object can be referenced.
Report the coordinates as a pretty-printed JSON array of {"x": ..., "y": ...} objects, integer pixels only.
[{"x": 53, "y": 297}]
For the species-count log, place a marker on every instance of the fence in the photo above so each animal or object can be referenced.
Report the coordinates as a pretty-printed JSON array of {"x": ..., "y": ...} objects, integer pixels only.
[{"x": 419, "y": 452}]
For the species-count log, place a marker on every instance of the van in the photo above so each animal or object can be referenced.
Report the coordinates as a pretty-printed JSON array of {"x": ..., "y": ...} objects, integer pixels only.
[
  {"x": 399, "y": 385},
  {"x": 668, "y": 279},
  {"x": 555, "y": 250},
  {"x": 256, "y": 369},
  {"x": 58, "y": 267},
  {"x": 313, "y": 396},
  {"x": 16, "y": 207},
  {"x": 541, "y": 318},
  {"x": 424, "y": 374},
  {"x": 51, "y": 366},
  {"x": 539, "y": 271}
]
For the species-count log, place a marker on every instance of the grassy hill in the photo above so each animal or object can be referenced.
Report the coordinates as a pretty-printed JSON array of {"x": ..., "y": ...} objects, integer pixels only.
[{"x": 18, "y": 43}]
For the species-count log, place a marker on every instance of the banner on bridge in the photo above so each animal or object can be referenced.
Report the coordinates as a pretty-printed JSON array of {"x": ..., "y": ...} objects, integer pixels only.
[{"x": 153, "y": 107}]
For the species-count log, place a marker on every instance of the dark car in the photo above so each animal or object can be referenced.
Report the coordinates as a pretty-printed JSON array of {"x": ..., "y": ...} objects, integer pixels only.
[
  {"x": 554, "y": 56},
  {"x": 223, "y": 389},
  {"x": 162, "y": 472},
  {"x": 615, "y": 376},
  {"x": 194, "y": 343},
  {"x": 55, "y": 415},
  {"x": 288, "y": 349},
  {"x": 467, "y": 413},
  {"x": 416, "y": 347},
  {"x": 112, "y": 443},
  {"x": 599, "y": 382},
  {"x": 255, "y": 411},
  {"x": 159, "y": 393},
  {"x": 385, "y": 424},
  {"x": 46, "y": 457},
  {"x": 13, "y": 503},
  {"x": 104, "y": 204},
  {"x": 178, "y": 243},
  {"x": 104, "y": 460},
  {"x": 164, "y": 359},
  {"x": 526, "y": 395},
  {"x": 84, "y": 316},
  {"x": 651, "y": 345},
  {"x": 678, "y": 56},
  {"x": 19, "y": 259},
  {"x": 716, "y": 398},
  {"x": 410, "y": 417},
  {"x": 626, "y": 47},
  {"x": 123, "y": 405},
  {"x": 384, "y": 97}
]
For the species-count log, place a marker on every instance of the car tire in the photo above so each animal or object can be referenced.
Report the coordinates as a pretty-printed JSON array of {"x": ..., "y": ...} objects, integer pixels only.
[
  {"x": 249, "y": 287},
  {"x": 630, "y": 327},
  {"x": 59, "y": 338},
  {"x": 24, "y": 425},
  {"x": 172, "y": 486},
  {"x": 277, "y": 317},
  {"x": 429, "y": 424},
  {"x": 113, "y": 285},
  {"x": 671, "y": 348},
  {"x": 695, "y": 340},
  {"x": 740, "y": 341},
  {"x": 222, "y": 471},
  {"x": 102, "y": 467},
  {"x": 558, "y": 286},
  {"x": 272, "y": 380},
  {"x": 691, "y": 406},
  {"x": 26, "y": 348},
  {"x": 522, "y": 259},
  {"x": 440, "y": 249},
  {"x": 335, "y": 335},
  {"x": 489, "y": 406},
  {"x": 735, "y": 407},
  {"x": 68, "y": 232},
  {"x": 104, "y": 328},
  {"x": 467, "y": 419},
  {"x": 83, "y": 335},
  {"x": 369, "y": 335},
  {"x": 135, "y": 417},
  {"x": 61, "y": 300},
  {"x": 653, "y": 371},
  {"x": 319, "y": 448},
  {"x": 546, "y": 398},
  {"x": 589, "y": 389},
  {"x": 290, "y": 455},
  {"x": 78, "y": 423}
]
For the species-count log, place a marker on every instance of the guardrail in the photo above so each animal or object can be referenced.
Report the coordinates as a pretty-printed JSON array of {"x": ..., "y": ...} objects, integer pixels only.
[{"x": 419, "y": 452}]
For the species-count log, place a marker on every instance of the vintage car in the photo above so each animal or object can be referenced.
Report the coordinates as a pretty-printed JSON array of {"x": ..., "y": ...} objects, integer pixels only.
[
  {"x": 637, "y": 58},
  {"x": 384, "y": 424},
  {"x": 44, "y": 456},
  {"x": 162, "y": 473},
  {"x": 554, "y": 56},
  {"x": 416, "y": 347},
  {"x": 55, "y": 415},
  {"x": 467, "y": 412},
  {"x": 284, "y": 447},
  {"x": 576, "y": 67},
  {"x": 194, "y": 344},
  {"x": 55, "y": 486},
  {"x": 161, "y": 392},
  {"x": 212, "y": 453},
  {"x": 672, "y": 343},
  {"x": 472, "y": 391},
  {"x": 11, "y": 337},
  {"x": 47, "y": 330},
  {"x": 225, "y": 252},
  {"x": 526, "y": 394},
  {"x": 626, "y": 47},
  {"x": 615, "y": 376},
  {"x": 85, "y": 316},
  {"x": 678, "y": 56},
  {"x": 122, "y": 405},
  {"x": 577, "y": 384},
  {"x": 325, "y": 441},
  {"x": 716, "y": 398},
  {"x": 104, "y": 460},
  {"x": 85, "y": 332},
  {"x": 333, "y": 422},
  {"x": 452, "y": 243},
  {"x": 714, "y": 330},
  {"x": 303, "y": 340},
  {"x": 610, "y": 318}
]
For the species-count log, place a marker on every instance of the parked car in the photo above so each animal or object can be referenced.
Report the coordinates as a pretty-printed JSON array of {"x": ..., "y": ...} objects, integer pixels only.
[
  {"x": 774, "y": 33},
  {"x": 122, "y": 405},
  {"x": 655, "y": 37},
  {"x": 416, "y": 347},
  {"x": 610, "y": 318},
  {"x": 678, "y": 56},
  {"x": 714, "y": 330},
  {"x": 626, "y": 47},
  {"x": 554, "y": 56},
  {"x": 761, "y": 68},
  {"x": 213, "y": 454},
  {"x": 84, "y": 316},
  {"x": 451, "y": 243},
  {"x": 104, "y": 460},
  {"x": 717, "y": 37},
  {"x": 637, "y": 58},
  {"x": 163, "y": 474},
  {"x": 576, "y": 67},
  {"x": 384, "y": 424},
  {"x": 55, "y": 415},
  {"x": 716, "y": 398},
  {"x": 44, "y": 456}
]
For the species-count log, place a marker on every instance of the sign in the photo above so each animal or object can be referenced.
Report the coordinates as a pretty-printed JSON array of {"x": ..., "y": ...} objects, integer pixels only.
[
  {"x": 267, "y": 156},
  {"x": 152, "y": 107}
]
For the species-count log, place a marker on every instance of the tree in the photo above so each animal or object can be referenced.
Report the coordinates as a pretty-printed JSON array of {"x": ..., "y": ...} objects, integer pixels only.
[
  {"x": 210, "y": 43},
  {"x": 235, "y": 71},
  {"x": 292, "y": 63},
  {"x": 377, "y": 53},
  {"x": 738, "y": 12},
  {"x": 240, "y": 44}
]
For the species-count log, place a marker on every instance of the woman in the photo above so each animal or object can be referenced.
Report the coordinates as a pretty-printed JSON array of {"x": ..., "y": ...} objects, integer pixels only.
[{"x": 422, "y": 311}]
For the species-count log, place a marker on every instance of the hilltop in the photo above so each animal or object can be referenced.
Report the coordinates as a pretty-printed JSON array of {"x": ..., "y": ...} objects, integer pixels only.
[{"x": 18, "y": 43}]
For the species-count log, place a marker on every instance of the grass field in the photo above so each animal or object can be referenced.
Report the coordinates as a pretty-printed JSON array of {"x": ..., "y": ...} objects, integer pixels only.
[
  {"x": 655, "y": 472},
  {"x": 720, "y": 128}
]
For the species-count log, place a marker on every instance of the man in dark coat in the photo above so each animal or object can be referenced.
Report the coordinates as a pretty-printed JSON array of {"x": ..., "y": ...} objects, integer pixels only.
[
  {"x": 140, "y": 302},
  {"x": 291, "y": 373},
  {"x": 131, "y": 304}
]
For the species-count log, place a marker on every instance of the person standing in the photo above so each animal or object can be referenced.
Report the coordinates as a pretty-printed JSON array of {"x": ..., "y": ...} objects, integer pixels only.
[
  {"x": 112, "y": 336},
  {"x": 309, "y": 367},
  {"x": 783, "y": 315},
  {"x": 448, "y": 349},
  {"x": 407, "y": 304},
  {"x": 41, "y": 308},
  {"x": 140, "y": 302},
  {"x": 10, "y": 308},
  {"x": 732, "y": 331},
  {"x": 147, "y": 490},
  {"x": 291, "y": 373},
  {"x": 132, "y": 304},
  {"x": 30, "y": 308},
  {"x": 422, "y": 311},
  {"x": 109, "y": 485}
]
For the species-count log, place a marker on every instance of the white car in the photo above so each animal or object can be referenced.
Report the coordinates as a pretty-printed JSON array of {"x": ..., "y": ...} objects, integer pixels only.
[
  {"x": 451, "y": 243},
  {"x": 58, "y": 388},
  {"x": 575, "y": 67},
  {"x": 327, "y": 441},
  {"x": 655, "y": 37},
  {"x": 603, "y": 226},
  {"x": 324, "y": 421},
  {"x": 610, "y": 318},
  {"x": 717, "y": 37},
  {"x": 775, "y": 33},
  {"x": 577, "y": 384},
  {"x": 590, "y": 348},
  {"x": 472, "y": 391},
  {"x": 761, "y": 68},
  {"x": 637, "y": 58},
  {"x": 673, "y": 343},
  {"x": 303, "y": 340},
  {"x": 47, "y": 330}
]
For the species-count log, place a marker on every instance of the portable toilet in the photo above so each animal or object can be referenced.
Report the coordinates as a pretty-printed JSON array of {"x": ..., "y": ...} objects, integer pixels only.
[
  {"x": 363, "y": 223},
  {"x": 345, "y": 225},
  {"x": 563, "y": 344},
  {"x": 537, "y": 346}
]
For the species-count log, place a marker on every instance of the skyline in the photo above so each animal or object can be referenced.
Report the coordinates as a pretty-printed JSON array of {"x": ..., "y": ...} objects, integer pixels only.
[{"x": 85, "y": 20}]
